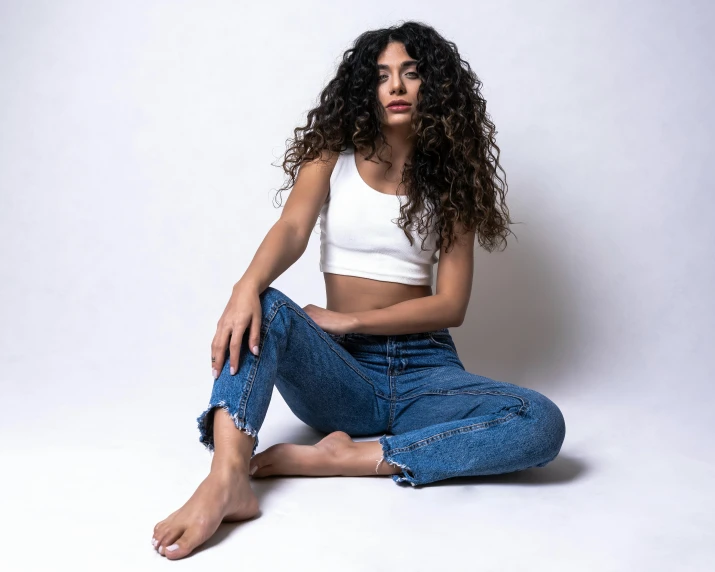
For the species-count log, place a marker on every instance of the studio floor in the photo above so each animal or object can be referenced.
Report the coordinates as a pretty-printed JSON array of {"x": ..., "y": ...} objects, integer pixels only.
[{"x": 630, "y": 491}]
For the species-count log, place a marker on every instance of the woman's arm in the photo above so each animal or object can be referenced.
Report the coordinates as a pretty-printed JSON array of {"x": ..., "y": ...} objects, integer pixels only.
[
  {"x": 287, "y": 240},
  {"x": 281, "y": 247},
  {"x": 446, "y": 308},
  {"x": 422, "y": 314}
]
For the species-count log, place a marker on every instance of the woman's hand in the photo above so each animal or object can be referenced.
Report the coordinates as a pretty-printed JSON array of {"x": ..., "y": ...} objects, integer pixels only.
[
  {"x": 243, "y": 310},
  {"x": 332, "y": 322}
]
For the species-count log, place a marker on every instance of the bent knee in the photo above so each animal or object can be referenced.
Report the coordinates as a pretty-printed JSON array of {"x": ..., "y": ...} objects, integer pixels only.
[
  {"x": 270, "y": 297},
  {"x": 551, "y": 427},
  {"x": 271, "y": 294}
]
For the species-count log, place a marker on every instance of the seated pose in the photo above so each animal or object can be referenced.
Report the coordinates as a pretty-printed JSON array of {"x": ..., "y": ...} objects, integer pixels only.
[{"x": 379, "y": 359}]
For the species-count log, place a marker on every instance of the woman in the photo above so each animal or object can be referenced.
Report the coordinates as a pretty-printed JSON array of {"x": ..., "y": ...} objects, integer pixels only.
[{"x": 379, "y": 358}]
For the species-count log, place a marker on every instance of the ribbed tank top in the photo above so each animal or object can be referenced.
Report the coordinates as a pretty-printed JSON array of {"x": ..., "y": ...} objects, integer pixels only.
[{"x": 359, "y": 235}]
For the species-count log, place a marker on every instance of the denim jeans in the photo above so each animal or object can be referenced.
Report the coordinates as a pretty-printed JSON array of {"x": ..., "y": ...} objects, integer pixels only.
[{"x": 437, "y": 420}]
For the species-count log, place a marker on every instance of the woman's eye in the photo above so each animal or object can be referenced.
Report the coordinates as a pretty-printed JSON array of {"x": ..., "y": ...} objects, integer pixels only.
[{"x": 415, "y": 74}]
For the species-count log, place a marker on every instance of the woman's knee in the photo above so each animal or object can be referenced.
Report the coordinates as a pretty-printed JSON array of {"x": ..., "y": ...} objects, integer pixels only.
[
  {"x": 552, "y": 426},
  {"x": 270, "y": 297},
  {"x": 276, "y": 304}
]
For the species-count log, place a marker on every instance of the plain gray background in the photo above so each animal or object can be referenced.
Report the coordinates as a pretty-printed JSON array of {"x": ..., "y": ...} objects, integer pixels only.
[{"x": 139, "y": 144}]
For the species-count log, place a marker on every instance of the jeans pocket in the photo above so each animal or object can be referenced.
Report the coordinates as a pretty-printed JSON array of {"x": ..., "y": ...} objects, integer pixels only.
[{"x": 442, "y": 340}]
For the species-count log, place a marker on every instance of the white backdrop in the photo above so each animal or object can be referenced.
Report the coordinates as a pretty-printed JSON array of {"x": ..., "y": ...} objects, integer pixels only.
[{"x": 139, "y": 152}]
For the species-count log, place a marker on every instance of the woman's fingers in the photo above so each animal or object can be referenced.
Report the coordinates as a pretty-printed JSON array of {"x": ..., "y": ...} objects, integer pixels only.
[
  {"x": 254, "y": 339},
  {"x": 234, "y": 347},
  {"x": 243, "y": 310},
  {"x": 218, "y": 352}
]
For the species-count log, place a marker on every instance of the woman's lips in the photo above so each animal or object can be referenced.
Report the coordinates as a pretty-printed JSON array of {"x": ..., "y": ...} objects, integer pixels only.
[{"x": 398, "y": 107}]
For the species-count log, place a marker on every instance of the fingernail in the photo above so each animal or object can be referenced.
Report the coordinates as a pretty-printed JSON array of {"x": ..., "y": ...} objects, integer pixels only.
[
  {"x": 161, "y": 550},
  {"x": 154, "y": 542},
  {"x": 172, "y": 547},
  {"x": 232, "y": 370},
  {"x": 215, "y": 373},
  {"x": 254, "y": 469},
  {"x": 255, "y": 350}
]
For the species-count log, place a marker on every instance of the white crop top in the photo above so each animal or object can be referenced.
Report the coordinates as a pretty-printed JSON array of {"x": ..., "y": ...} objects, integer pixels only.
[{"x": 359, "y": 235}]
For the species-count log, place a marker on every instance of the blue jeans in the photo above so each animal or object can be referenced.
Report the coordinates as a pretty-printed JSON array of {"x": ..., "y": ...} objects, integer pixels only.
[{"x": 438, "y": 421}]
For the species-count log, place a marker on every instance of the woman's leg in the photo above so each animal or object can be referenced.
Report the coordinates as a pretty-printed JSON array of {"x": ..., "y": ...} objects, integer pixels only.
[
  {"x": 323, "y": 385},
  {"x": 224, "y": 495},
  {"x": 449, "y": 422},
  {"x": 444, "y": 421},
  {"x": 321, "y": 382}
]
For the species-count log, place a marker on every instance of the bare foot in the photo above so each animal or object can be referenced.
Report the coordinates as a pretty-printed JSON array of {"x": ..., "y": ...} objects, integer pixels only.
[
  {"x": 224, "y": 495},
  {"x": 331, "y": 456}
]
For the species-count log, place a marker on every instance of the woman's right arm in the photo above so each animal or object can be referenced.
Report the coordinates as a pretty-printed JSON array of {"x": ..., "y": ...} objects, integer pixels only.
[
  {"x": 282, "y": 246},
  {"x": 284, "y": 243}
]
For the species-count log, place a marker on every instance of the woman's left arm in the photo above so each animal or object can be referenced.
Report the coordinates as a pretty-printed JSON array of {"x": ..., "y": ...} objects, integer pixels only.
[{"x": 444, "y": 309}]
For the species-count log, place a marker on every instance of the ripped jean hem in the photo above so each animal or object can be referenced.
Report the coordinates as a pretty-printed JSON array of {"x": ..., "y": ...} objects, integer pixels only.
[
  {"x": 407, "y": 473},
  {"x": 206, "y": 421}
]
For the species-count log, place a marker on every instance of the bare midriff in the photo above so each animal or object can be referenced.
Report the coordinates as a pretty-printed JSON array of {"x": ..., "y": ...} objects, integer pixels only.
[{"x": 356, "y": 294}]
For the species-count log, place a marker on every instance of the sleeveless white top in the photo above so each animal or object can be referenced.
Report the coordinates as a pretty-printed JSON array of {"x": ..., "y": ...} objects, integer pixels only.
[{"x": 359, "y": 235}]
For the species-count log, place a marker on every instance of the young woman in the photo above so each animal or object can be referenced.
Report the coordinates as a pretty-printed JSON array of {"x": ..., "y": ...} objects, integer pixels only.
[{"x": 379, "y": 358}]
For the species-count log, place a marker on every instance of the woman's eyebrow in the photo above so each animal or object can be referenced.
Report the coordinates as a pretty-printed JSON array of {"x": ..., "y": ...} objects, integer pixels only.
[{"x": 402, "y": 65}]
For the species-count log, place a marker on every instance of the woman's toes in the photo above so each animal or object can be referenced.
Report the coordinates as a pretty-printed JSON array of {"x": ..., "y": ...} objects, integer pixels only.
[
  {"x": 183, "y": 545},
  {"x": 260, "y": 463},
  {"x": 168, "y": 539},
  {"x": 264, "y": 471},
  {"x": 260, "y": 459},
  {"x": 160, "y": 531}
]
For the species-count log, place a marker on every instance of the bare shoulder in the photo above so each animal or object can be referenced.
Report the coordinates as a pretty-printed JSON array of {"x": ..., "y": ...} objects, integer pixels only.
[{"x": 309, "y": 193}]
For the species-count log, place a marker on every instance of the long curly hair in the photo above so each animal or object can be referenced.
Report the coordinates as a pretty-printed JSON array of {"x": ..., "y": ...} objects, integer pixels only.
[{"x": 452, "y": 175}]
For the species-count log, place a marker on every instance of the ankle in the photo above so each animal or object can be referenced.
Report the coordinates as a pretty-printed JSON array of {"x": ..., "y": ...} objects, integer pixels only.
[{"x": 233, "y": 464}]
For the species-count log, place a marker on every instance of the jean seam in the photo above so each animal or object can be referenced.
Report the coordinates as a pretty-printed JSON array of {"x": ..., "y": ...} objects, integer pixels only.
[
  {"x": 243, "y": 404},
  {"x": 391, "y": 385},
  {"x": 274, "y": 310},
  {"x": 393, "y": 404},
  {"x": 474, "y": 427},
  {"x": 525, "y": 403}
]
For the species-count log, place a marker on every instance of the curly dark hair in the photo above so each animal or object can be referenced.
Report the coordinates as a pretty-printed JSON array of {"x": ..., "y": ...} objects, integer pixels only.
[{"x": 452, "y": 173}]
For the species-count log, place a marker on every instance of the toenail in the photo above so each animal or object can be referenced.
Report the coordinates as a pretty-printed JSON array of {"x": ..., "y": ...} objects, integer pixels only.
[{"x": 172, "y": 547}]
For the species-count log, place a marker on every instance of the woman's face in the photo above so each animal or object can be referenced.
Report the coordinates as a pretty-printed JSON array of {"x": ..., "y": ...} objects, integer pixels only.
[{"x": 397, "y": 79}]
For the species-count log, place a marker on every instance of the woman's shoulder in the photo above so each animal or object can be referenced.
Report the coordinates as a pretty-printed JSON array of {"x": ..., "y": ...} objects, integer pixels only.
[{"x": 328, "y": 159}]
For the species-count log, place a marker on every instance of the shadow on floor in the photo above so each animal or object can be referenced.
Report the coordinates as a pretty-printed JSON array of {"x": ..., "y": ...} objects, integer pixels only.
[{"x": 562, "y": 469}]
